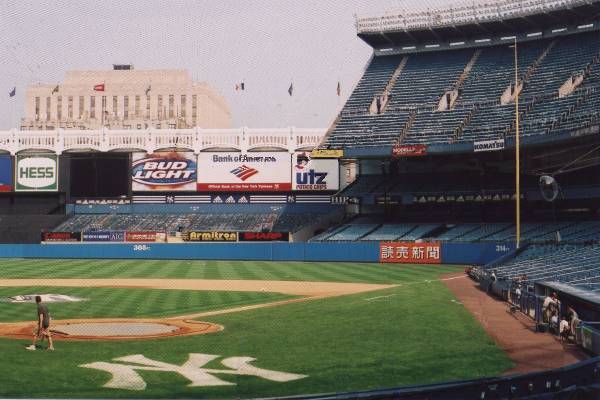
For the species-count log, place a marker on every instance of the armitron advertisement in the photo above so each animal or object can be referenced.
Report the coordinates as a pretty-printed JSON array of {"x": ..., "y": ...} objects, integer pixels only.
[
  {"x": 314, "y": 173},
  {"x": 410, "y": 253},
  {"x": 244, "y": 172},
  {"x": 164, "y": 171},
  {"x": 195, "y": 236},
  {"x": 6, "y": 173},
  {"x": 36, "y": 173}
]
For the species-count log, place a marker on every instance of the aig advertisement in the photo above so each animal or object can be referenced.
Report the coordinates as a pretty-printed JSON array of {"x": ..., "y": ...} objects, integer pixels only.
[
  {"x": 244, "y": 172},
  {"x": 36, "y": 173},
  {"x": 314, "y": 173},
  {"x": 163, "y": 171},
  {"x": 6, "y": 173}
]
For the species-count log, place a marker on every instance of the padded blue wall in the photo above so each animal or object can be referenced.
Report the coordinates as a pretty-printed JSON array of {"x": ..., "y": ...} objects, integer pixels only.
[{"x": 452, "y": 253}]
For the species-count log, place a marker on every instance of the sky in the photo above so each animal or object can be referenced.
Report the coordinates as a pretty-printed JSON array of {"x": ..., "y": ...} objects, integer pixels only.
[{"x": 268, "y": 44}]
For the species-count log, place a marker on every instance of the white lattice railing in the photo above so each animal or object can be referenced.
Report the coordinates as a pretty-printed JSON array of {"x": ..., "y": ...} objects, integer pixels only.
[
  {"x": 456, "y": 15},
  {"x": 197, "y": 140}
]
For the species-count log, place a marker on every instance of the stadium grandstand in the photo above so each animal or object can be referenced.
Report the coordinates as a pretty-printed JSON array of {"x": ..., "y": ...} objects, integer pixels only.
[{"x": 472, "y": 138}]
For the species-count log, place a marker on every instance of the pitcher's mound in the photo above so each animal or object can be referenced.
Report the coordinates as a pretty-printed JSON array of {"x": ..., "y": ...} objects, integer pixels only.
[{"x": 113, "y": 329}]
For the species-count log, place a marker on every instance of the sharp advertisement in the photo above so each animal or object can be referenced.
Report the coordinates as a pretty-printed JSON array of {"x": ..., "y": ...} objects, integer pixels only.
[
  {"x": 314, "y": 173},
  {"x": 244, "y": 172},
  {"x": 36, "y": 173},
  {"x": 6, "y": 173},
  {"x": 164, "y": 171}
]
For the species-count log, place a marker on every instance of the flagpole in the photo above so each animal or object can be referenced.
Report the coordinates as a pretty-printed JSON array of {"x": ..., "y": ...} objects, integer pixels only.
[{"x": 517, "y": 152}]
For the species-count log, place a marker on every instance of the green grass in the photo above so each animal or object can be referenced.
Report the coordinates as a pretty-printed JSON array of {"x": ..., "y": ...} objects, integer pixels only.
[
  {"x": 413, "y": 335},
  {"x": 185, "y": 269},
  {"x": 129, "y": 302}
]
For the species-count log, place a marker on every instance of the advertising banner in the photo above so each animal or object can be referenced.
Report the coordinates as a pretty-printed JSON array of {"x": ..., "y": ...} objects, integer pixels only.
[
  {"x": 61, "y": 236},
  {"x": 314, "y": 174},
  {"x": 36, "y": 173},
  {"x": 327, "y": 153},
  {"x": 488, "y": 145},
  {"x": 145, "y": 236},
  {"x": 112, "y": 202},
  {"x": 244, "y": 172},
  {"x": 103, "y": 236},
  {"x": 196, "y": 236},
  {"x": 264, "y": 236},
  {"x": 410, "y": 253},
  {"x": 163, "y": 171},
  {"x": 6, "y": 173},
  {"x": 414, "y": 150}
]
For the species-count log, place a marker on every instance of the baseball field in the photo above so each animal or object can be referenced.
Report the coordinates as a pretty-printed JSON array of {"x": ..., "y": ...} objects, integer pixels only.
[{"x": 241, "y": 329}]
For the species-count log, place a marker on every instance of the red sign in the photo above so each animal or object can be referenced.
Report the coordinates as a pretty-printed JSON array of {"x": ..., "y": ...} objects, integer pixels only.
[
  {"x": 61, "y": 236},
  {"x": 140, "y": 236},
  {"x": 264, "y": 237},
  {"x": 244, "y": 187},
  {"x": 414, "y": 150},
  {"x": 410, "y": 253}
]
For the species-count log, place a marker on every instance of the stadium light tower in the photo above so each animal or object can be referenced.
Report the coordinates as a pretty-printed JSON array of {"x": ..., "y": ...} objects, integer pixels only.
[{"x": 517, "y": 152}]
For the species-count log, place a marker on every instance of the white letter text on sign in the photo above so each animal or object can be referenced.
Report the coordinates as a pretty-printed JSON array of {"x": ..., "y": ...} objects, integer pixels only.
[{"x": 124, "y": 376}]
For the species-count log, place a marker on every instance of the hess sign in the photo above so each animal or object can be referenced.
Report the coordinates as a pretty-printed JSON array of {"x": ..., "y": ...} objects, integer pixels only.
[
  {"x": 164, "y": 171},
  {"x": 36, "y": 173}
]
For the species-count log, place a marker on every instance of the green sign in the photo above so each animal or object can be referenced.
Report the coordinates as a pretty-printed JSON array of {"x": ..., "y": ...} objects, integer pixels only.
[{"x": 36, "y": 173}]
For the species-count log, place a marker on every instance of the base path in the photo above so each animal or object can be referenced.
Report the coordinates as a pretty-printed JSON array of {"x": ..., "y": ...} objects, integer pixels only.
[
  {"x": 514, "y": 333},
  {"x": 177, "y": 325}
]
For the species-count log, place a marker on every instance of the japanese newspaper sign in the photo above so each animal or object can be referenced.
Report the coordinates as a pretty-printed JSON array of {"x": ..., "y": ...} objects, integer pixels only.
[
  {"x": 36, "y": 173},
  {"x": 244, "y": 172},
  {"x": 163, "y": 171},
  {"x": 410, "y": 253}
]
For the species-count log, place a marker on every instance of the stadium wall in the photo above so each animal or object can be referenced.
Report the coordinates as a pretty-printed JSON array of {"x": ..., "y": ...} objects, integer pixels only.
[{"x": 451, "y": 253}]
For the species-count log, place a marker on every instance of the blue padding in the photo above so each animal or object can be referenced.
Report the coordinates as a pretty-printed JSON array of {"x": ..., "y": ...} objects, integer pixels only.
[{"x": 474, "y": 253}]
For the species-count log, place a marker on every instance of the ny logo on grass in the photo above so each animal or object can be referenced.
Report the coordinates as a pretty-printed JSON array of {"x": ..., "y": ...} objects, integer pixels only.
[{"x": 125, "y": 376}]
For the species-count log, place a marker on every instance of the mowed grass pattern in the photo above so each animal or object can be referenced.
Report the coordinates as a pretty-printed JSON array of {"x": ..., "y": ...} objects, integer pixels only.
[
  {"x": 201, "y": 269},
  {"x": 407, "y": 335},
  {"x": 129, "y": 302}
]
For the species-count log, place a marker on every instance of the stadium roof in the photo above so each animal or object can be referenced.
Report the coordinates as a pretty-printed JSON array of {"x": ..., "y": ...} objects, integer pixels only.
[{"x": 471, "y": 21}]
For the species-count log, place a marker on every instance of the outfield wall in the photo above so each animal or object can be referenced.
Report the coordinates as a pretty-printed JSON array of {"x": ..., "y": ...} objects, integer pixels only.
[{"x": 451, "y": 253}]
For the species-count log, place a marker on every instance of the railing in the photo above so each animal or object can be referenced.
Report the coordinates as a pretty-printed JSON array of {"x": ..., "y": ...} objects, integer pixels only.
[
  {"x": 466, "y": 13},
  {"x": 196, "y": 140}
]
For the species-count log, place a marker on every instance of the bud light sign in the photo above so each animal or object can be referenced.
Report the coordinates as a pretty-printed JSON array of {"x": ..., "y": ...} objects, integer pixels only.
[
  {"x": 36, "y": 172},
  {"x": 314, "y": 173},
  {"x": 165, "y": 171}
]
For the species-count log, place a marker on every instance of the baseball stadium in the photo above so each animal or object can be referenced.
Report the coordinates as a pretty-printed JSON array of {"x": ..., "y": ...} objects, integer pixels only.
[{"x": 440, "y": 239}]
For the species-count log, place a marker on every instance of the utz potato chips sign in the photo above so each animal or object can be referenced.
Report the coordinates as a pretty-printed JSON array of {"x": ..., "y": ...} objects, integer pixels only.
[
  {"x": 314, "y": 174},
  {"x": 36, "y": 173},
  {"x": 162, "y": 171}
]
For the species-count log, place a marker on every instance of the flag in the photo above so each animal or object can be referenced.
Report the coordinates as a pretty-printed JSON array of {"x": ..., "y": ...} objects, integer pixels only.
[
  {"x": 242, "y": 86},
  {"x": 55, "y": 90},
  {"x": 339, "y": 89},
  {"x": 237, "y": 87},
  {"x": 13, "y": 92},
  {"x": 148, "y": 89},
  {"x": 291, "y": 89},
  {"x": 99, "y": 87}
]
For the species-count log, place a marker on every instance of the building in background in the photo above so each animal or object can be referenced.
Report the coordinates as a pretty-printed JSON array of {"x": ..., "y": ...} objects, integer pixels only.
[{"x": 124, "y": 98}]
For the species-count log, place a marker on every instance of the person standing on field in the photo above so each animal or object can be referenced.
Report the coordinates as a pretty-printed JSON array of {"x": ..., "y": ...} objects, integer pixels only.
[{"x": 43, "y": 325}]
